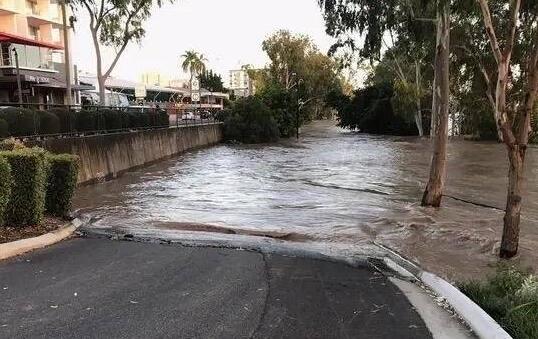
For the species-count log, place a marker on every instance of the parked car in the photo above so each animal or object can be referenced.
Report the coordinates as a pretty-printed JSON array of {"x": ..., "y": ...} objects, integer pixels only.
[
  {"x": 188, "y": 116},
  {"x": 112, "y": 99}
]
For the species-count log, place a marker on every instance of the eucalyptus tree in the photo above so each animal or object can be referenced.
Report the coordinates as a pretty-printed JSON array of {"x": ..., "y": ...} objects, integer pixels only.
[
  {"x": 512, "y": 30},
  {"x": 373, "y": 20},
  {"x": 194, "y": 63},
  {"x": 114, "y": 23},
  {"x": 304, "y": 74}
]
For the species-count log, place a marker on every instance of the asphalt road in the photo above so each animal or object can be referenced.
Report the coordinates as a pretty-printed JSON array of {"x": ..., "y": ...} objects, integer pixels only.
[{"x": 98, "y": 288}]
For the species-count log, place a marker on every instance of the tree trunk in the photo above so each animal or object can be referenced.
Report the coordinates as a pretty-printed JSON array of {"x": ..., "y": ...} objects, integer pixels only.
[
  {"x": 510, "y": 237},
  {"x": 418, "y": 114},
  {"x": 434, "y": 189},
  {"x": 101, "y": 81},
  {"x": 100, "y": 78}
]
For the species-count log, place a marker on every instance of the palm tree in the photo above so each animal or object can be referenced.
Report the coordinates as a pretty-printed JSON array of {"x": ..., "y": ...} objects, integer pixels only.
[{"x": 194, "y": 63}]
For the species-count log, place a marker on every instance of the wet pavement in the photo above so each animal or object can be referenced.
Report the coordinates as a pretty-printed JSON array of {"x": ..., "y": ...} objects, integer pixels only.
[
  {"x": 334, "y": 190},
  {"x": 98, "y": 288}
]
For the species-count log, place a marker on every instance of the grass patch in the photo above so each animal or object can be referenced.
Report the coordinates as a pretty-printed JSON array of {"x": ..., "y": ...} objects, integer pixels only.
[{"x": 510, "y": 296}]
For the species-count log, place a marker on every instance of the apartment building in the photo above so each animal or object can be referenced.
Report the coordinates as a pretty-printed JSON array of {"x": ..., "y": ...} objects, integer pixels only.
[
  {"x": 241, "y": 84},
  {"x": 32, "y": 30}
]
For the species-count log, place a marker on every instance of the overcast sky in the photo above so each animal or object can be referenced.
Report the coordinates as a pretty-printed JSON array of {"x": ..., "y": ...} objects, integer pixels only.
[{"x": 229, "y": 33}]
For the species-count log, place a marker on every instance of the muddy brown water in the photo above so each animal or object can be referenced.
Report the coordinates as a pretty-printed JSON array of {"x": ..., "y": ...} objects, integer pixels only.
[{"x": 333, "y": 188}]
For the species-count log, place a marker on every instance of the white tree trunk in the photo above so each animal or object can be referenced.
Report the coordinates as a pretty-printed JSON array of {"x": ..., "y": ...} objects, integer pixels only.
[{"x": 434, "y": 189}]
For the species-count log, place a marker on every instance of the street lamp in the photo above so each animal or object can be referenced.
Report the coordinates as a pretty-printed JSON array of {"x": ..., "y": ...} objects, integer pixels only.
[{"x": 19, "y": 85}]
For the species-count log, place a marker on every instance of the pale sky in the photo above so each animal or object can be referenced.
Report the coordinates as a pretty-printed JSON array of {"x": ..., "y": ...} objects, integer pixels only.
[{"x": 229, "y": 33}]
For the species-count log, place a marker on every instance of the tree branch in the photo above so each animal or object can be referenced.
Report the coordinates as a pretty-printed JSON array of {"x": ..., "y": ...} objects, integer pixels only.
[
  {"x": 486, "y": 15},
  {"x": 514, "y": 14},
  {"x": 126, "y": 38}
]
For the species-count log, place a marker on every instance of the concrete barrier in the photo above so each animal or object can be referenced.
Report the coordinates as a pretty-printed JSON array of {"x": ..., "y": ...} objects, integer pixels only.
[{"x": 109, "y": 155}]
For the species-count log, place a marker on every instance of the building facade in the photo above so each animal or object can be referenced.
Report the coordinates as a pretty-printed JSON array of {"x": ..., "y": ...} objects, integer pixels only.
[
  {"x": 241, "y": 85},
  {"x": 31, "y": 32}
]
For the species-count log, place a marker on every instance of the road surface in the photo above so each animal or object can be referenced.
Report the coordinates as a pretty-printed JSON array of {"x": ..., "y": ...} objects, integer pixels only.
[{"x": 99, "y": 288}]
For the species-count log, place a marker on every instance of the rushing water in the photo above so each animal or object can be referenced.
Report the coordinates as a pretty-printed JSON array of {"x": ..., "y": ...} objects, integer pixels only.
[{"x": 333, "y": 188}]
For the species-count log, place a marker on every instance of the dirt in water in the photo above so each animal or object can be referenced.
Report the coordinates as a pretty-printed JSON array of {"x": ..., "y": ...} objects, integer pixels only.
[{"x": 332, "y": 188}]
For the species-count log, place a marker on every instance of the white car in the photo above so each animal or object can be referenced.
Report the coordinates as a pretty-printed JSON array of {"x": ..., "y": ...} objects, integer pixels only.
[{"x": 188, "y": 116}]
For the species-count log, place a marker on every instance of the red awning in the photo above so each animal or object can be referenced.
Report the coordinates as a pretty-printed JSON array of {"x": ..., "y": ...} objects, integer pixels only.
[{"x": 16, "y": 39}]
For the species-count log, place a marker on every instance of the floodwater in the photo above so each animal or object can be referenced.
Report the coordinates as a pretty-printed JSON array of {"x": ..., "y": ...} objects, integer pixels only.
[{"x": 332, "y": 188}]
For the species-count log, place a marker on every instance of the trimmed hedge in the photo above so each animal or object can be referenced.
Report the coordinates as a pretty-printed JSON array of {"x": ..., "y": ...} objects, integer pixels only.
[
  {"x": 5, "y": 187},
  {"x": 66, "y": 117},
  {"x": 49, "y": 123},
  {"x": 86, "y": 121},
  {"x": 16, "y": 122},
  {"x": 21, "y": 121},
  {"x": 4, "y": 128},
  {"x": 27, "y": 201},
  {"x": 62, "y": 182},
  {"x": 113, "y": 119}
]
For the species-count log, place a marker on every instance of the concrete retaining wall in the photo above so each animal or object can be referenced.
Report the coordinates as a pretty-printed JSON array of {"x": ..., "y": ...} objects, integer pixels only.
[{"x": 107, "y": 156}]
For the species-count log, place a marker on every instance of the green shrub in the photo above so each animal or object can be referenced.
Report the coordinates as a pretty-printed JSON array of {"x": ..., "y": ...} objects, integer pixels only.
[
  {"x": 164, "y": 119},
  {"x": 11, "y": 144},
  {"x": 4, "y": 128},
  {"x": 138, "y": 119},
  {"x": 511, "y": 298},
  {"x": 66, "y": 117},
  {"x": 86, "y": 121},
  {"x": 62, "y": 181},
  {"x": 27, "y": 200},
  {"x": 5, "y": 187},
  {"x": 21, "y": 121},
  {"x": 113, "y": 119},
  {"x": 251, "y": 121},
  {"x": 49, "y": 123}
]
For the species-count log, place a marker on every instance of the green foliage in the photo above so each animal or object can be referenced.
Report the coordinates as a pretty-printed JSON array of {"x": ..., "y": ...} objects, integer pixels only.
[
  {"x": 211, "y": 81},
  {"x": 296, "y": 83},
  {"x": 49, "y": 123},
  {"x": 194, "y": 63},
  {"x": 4, "y": 128},
  {"x": 511, "y": 298},
  {"x": 27, "y": 201},
  {"x": 11, "y": 144},
  {"x": 86, "y": 121},
  {"x": 113, "y": 119},
  {"x": 5, "y": 187},
  {"x": 137, "y": 119},
  {"x": 62, "y": 181},
  {"x": 21, "y": 121},
  {"x": 163, "y": 119},
  {"x": 371, "y": 111},
  {"x": 251, "y": 121},
  {"x": 66, "y": 117}
]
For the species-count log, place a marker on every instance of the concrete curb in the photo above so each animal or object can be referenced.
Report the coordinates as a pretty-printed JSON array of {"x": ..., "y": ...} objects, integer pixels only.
[
  {"x": 19, "y": 247},
  {"x": 478, "y": 320}
]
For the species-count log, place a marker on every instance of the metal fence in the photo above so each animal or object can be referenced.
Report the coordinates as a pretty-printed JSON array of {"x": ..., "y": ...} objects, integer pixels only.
[{"x": 37, "y": 121}]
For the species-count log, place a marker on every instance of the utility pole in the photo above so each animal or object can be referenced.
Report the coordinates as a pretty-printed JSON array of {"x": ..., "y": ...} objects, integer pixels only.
[
  {"x": 19, "y": 85},
  {"x": 67, "y": 56}
]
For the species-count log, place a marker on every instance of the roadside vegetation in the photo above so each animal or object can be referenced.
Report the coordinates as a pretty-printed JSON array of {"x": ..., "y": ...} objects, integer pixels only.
[
  {"x": 510, "y": 296},
  {"x": 292, "y": 89},
  {"x": 18, "y": 122},
  {"x": 36, "y": 186},
  {"x": 250, "y": 121}
]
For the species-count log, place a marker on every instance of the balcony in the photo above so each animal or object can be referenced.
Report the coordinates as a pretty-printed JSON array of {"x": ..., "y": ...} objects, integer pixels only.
[
  {"x": 7, "y": 8},
  {"x": 38, "y": 17}
]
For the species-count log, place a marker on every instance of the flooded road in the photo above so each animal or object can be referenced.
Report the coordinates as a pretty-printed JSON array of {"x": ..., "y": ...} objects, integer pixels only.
[{"x": 332, "y": 188}]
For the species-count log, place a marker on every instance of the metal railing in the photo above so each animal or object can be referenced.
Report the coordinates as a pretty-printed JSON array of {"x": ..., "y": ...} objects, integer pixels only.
[{"x": 37, "y": 121}]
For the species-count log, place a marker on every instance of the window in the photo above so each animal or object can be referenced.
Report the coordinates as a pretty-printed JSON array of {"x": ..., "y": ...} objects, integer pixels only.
[
  {"x": 31, "y": 7},
  {"x": 33, "y": 32}
]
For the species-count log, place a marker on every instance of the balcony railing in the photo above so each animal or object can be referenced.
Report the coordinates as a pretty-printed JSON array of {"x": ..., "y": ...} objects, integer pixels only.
[{"x": 29, "y": 56}]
